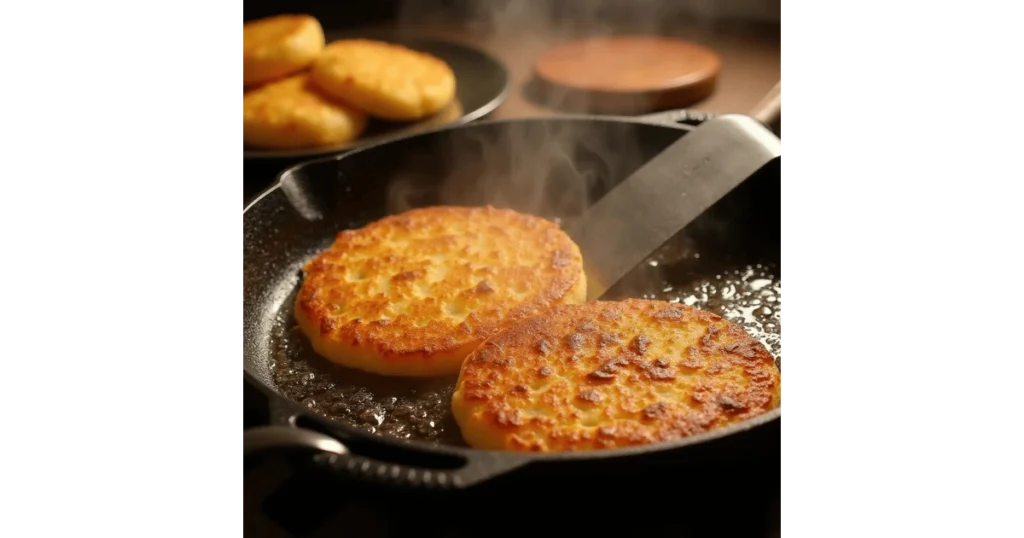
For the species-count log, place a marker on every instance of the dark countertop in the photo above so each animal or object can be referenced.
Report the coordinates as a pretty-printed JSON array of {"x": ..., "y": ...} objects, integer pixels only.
[{"x": 742, "y": 500}]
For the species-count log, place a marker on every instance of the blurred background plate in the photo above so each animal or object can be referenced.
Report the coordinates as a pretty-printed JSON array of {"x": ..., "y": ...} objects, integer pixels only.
[{"x": 481, "y": 85}]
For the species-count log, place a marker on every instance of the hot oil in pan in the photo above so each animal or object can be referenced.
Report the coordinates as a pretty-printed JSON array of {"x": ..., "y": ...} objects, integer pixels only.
[
  {"x": 418, "y": 409},
  {"x": 749, "y": 297}
]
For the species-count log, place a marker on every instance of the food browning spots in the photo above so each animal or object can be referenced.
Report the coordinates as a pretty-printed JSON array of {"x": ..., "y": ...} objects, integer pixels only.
[
  {"x": 291, "y": 113},
  {"x": 611, "y": 374},
  {"x": 385, "y": 80},
  {"x": 413, "y": 294},
  {"x": 279, "y": 46},
  {"x": 419, "y": 409}
]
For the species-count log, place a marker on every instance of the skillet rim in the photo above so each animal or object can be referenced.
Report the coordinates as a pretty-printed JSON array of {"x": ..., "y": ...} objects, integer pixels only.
[{"x": 296, "y": 410}]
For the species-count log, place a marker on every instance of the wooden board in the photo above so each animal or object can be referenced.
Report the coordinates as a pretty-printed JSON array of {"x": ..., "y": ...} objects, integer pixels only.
[{"x": 626, "y": 74}]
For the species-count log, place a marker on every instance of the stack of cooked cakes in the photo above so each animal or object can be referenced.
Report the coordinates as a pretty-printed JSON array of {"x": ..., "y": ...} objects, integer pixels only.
[
  {"x": 496, "y": 296},
  {"x": 301, "y": 92}
]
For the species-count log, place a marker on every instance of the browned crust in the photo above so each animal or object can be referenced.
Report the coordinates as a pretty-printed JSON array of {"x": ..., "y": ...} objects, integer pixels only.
[
  {"x": 412, "y": 294},
  {"x": 612, "y": 374}
]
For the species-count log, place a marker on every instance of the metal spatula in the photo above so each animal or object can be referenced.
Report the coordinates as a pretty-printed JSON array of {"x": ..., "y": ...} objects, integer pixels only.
[{"x": 647, "y": 209}]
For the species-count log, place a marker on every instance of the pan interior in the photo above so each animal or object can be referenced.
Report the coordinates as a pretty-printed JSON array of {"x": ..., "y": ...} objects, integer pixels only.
[{"x": 727, "y": 261}]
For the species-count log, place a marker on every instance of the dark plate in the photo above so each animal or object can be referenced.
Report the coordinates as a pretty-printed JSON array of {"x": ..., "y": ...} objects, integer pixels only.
[{"x": 481, "y": 84}]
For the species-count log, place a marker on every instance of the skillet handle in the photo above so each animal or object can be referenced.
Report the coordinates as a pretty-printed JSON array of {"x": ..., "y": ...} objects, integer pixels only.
[
  {"x": 474, "y": 469},
  {"x": 356, "y": 460},
  {"x": 289, "y": 438},
  {"x": 684, "y": 117},
  {"x": 768, "y": 111}
]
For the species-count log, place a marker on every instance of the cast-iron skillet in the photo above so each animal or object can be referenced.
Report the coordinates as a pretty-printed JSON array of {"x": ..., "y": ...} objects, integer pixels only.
[{"x": 551, "y": 167}]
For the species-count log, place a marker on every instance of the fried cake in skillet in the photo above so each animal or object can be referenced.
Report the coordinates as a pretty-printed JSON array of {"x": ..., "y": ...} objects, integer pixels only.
[
  {"x": 413, "y": 294},
  {"x": 611, "y": 374}
]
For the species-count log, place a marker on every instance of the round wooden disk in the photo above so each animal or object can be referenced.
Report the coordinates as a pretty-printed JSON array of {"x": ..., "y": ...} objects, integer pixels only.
[{"x": 626, "y": 74}]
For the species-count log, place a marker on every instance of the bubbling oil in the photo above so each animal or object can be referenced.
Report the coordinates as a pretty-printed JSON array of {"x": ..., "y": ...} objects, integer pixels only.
[
  {"x": 749, "y": 295},
  {"x": 406, "y": 408}
]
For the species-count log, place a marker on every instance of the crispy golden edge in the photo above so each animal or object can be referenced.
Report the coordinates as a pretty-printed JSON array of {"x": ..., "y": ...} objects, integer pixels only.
[
  {"x": 437, "y": 349},
  {"x": 508, "y": 384}
]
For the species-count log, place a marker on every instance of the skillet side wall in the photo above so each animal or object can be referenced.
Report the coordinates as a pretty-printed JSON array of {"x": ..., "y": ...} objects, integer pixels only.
[{"x": 316, "y": 200}]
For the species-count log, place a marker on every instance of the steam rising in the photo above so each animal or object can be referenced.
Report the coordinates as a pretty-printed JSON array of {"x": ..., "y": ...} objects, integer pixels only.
[
  {"x": 565, "y": 19},
  {"x": 551, "y": 169}
]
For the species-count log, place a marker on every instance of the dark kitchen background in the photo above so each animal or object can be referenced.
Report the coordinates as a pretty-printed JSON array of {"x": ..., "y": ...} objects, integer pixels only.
[
  {"x": 358, "y": 12},
  {"x": 285, "y": 499}
]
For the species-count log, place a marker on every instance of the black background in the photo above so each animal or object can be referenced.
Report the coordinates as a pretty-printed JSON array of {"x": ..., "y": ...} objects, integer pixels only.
[{"x": 331, "y": 14}]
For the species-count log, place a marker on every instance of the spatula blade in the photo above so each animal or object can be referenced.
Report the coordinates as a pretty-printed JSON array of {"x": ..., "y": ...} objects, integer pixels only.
[{"x": 647, "y": 209}]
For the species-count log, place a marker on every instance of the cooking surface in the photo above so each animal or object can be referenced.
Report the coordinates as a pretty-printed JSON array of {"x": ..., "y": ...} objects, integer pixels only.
[
  {"x": 744, "y": 293},
  {"x": 284, "y": 500}
]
